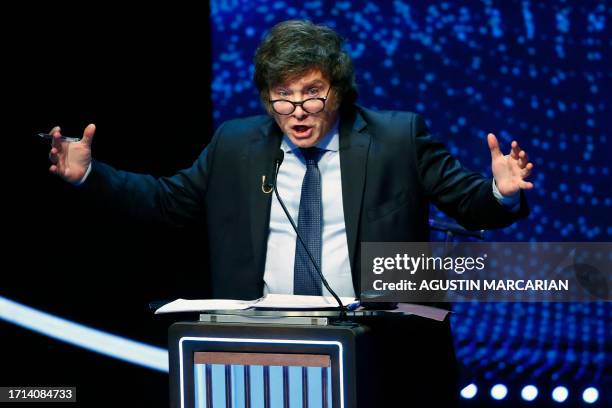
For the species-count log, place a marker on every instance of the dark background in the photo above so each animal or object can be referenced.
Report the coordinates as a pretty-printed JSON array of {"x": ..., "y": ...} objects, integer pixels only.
[
  {"x": 141, "y": 73},
  {"x": 157, "y": 80}
]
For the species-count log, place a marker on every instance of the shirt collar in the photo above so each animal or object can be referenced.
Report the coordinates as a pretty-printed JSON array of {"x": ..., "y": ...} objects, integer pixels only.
[{"x": 331, "y": 141}]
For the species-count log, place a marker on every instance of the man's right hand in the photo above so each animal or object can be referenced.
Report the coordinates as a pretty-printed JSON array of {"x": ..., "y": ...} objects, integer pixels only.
[{"x": 71, "y": 159}]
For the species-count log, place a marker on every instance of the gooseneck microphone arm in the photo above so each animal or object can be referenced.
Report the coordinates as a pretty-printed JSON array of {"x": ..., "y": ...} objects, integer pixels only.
[{"x": 277, "y": 163}]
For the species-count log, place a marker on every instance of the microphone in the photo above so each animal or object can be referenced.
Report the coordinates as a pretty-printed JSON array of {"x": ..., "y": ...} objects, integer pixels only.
[
  {"x": 268, "y": 187},
  {"x": 277, "y": 162}
]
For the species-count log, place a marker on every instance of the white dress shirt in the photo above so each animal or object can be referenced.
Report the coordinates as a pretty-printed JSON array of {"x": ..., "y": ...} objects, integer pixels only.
[{"x": 280, "y": 256}]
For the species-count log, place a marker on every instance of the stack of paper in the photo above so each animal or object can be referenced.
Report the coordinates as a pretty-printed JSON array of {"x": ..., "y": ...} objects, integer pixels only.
[{"x": 270, "y": 301}]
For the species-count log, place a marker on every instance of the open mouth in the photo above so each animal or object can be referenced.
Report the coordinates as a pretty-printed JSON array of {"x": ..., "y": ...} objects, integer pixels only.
[{"x": 302, "y": 131}]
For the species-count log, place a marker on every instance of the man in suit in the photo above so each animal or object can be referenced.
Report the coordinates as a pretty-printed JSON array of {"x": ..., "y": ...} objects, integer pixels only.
[{"x": 349, "y": 175}]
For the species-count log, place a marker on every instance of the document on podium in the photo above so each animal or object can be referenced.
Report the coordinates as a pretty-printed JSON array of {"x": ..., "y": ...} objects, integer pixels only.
[
  {"x": 270, "y": 301},
  {"x": 277, "y": 301}
]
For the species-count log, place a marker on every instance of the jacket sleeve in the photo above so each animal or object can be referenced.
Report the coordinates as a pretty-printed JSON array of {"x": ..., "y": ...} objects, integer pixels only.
[
  {"x": 177, "y": 201},
  {"x": 462, "y": 194}
]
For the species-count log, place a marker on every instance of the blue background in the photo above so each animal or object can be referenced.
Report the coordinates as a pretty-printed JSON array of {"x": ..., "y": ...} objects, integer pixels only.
[{"x": 537, "y": 72}]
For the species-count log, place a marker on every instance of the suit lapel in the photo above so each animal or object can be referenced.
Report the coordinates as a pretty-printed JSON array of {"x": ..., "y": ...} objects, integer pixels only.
[
  {"x": 262, "y": 149},
  {"x": 354, "y": 146}
]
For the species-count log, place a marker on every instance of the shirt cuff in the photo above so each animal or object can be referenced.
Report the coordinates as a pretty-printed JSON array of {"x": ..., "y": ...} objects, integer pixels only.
[
  {"x": 81, "y": 181},
  {"x": 511, "y": 202}
]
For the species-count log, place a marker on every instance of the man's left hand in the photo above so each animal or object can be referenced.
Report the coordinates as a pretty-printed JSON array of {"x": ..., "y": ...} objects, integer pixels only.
[{"x": 509, "y": 171}]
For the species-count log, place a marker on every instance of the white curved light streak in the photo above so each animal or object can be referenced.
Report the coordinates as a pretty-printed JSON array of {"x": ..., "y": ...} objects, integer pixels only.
[{"x": 88, "y": 338}]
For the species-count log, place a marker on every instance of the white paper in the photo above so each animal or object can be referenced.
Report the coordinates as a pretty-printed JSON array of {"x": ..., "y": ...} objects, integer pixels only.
[
  {"x": 200, "y": 305},
  {"x": 428, "y": 312},
  {"x": 271, "y": 301},
  {"x": 276, "y": 301}
]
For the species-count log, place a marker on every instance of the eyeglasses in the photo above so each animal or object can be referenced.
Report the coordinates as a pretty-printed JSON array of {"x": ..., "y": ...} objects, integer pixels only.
[{"x": 310, "y": 105}]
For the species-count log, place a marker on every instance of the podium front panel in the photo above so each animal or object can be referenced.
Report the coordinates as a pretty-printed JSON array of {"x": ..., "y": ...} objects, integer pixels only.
[{"x": 227, "y": 365}]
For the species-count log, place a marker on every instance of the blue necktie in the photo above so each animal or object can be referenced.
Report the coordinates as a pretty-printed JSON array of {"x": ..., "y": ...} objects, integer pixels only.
[{"x": 306, "y": 280}]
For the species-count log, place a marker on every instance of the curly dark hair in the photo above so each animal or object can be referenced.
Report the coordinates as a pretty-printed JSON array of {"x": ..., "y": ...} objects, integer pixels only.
[{"x": 295, "y": 47}]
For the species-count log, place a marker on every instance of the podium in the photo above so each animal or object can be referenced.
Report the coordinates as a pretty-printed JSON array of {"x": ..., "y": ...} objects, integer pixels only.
[{"x": 285, "y": 359}]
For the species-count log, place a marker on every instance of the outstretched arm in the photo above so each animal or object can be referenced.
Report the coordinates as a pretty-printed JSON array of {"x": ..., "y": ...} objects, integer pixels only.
[
  {"x": 177, "y": 200},
  {"x": 465, "y": 195}
]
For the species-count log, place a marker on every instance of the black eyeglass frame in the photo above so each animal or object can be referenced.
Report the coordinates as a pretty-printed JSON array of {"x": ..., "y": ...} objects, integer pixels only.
[{"x": 301, "y": 103}]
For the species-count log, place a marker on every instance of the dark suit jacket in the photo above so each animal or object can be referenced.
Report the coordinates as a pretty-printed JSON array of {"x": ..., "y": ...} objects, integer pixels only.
[{"x": 391, "y": 170}]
